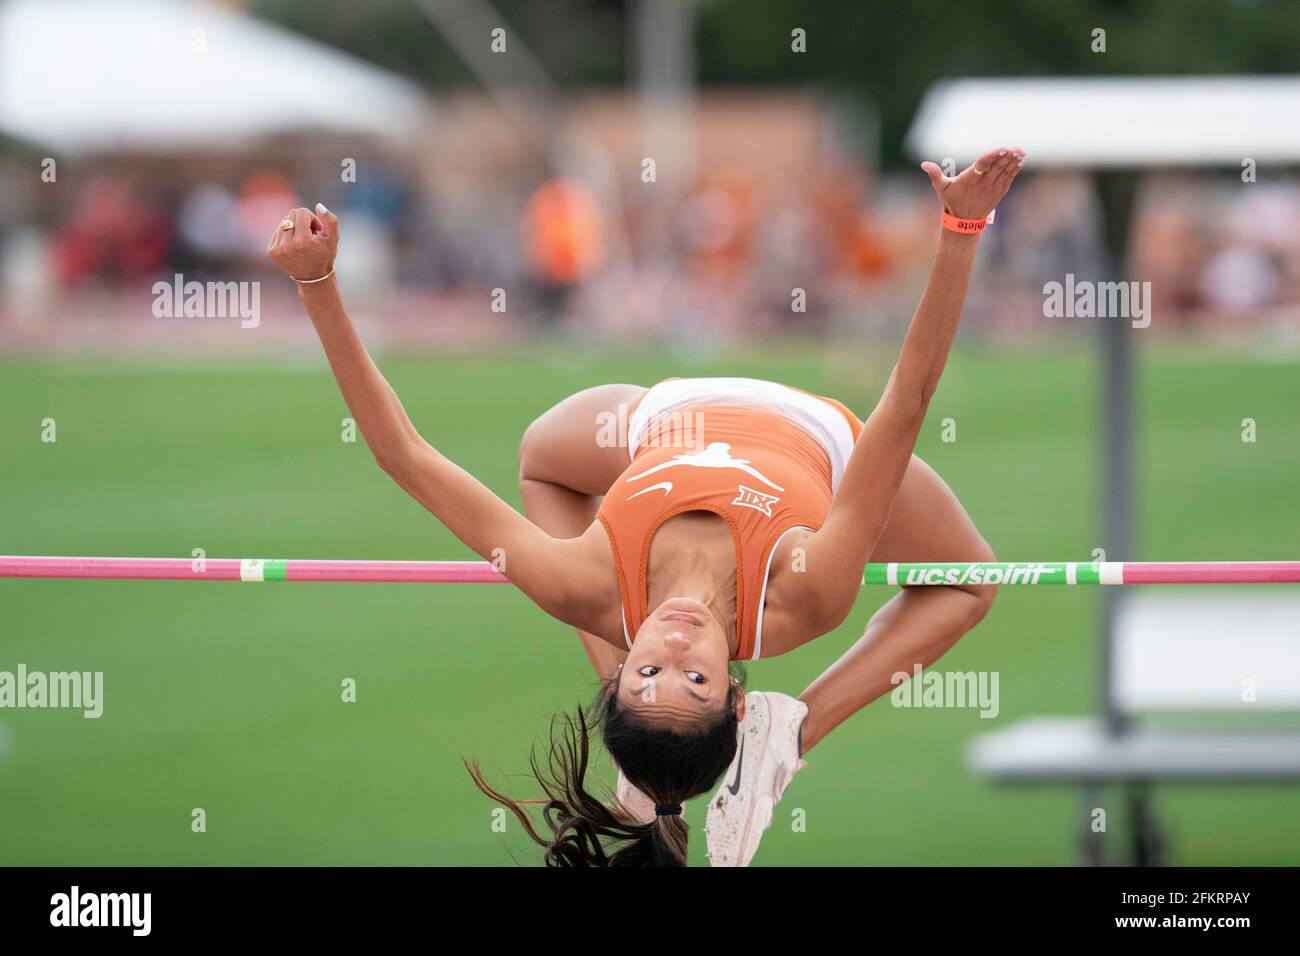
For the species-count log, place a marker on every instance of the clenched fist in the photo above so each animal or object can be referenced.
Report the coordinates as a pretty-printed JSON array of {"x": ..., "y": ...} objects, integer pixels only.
[{"x": 306, "y": 251}]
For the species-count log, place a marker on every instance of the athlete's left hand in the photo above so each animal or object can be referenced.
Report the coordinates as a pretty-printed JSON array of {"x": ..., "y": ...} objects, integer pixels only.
[{"x": 977, "y": 190}]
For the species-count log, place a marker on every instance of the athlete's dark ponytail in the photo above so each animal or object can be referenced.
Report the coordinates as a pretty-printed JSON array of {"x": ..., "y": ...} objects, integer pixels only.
[{"x": 669, "y": 767}]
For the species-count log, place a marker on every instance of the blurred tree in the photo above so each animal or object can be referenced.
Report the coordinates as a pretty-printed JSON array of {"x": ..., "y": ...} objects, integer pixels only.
[
  {"x": 887, "y": 51},
  {"x": 579, "y": 42}
]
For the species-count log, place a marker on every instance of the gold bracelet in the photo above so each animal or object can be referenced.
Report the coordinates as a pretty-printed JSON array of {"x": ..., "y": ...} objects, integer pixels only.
[{"x": 309, "y": 281}]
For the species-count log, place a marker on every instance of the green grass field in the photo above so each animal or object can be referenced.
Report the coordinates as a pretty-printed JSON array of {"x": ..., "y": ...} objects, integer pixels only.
[{"x": 227, "y": 696}]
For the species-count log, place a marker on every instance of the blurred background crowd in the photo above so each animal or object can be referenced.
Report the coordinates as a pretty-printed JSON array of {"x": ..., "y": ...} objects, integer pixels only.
[{"x": 584, "y": 175}]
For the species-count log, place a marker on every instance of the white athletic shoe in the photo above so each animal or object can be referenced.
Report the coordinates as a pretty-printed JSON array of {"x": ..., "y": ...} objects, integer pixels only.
[
  {"x": 636, "y": 802},
  {"x": 767, "y": 758}
]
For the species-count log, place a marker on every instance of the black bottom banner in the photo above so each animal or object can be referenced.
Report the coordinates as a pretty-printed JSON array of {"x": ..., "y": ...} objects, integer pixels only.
[{"x": 333, "y": 905}]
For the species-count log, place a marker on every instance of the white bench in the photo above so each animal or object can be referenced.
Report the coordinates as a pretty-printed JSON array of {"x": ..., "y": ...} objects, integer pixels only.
[{"x": 1195, "y": 677}]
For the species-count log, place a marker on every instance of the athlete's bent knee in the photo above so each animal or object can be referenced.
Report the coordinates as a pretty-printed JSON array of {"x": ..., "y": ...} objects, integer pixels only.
[
  {"x": 529, "y": 446},
  {"x": 984, "y": 594}
]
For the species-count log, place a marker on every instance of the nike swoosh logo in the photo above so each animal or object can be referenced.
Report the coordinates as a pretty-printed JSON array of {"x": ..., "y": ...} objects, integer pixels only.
[
  {"x": 734, "y": 786},
  {"x": 664, "y": 486}
]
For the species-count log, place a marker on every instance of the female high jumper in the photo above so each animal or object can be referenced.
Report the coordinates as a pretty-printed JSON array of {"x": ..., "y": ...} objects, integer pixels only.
[{"x": 734, "y": 523}]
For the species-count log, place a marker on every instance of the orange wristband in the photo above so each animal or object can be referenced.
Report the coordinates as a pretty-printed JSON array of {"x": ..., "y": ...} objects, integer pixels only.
[{"x": 967, "y": 227}]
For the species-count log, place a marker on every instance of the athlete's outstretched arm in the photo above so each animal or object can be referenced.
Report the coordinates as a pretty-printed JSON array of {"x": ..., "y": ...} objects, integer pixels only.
[
  {"x": 919, "y": 624},
  {"x": 837, "y": 553},
  {"x": 547, "y": 569}
]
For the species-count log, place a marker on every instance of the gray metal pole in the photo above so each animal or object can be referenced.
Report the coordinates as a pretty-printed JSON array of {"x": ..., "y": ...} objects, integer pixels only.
[
  {"x": 662, "y": 40},
  {"x": 1116, "y": 191}
]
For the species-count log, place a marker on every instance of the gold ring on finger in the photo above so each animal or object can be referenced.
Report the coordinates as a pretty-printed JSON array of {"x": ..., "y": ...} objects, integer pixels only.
[{"x": 286, "y": 224}]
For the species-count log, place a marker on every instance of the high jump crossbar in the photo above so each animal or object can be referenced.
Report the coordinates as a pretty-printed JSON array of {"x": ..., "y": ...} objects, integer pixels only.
[{"x": 482, "y": 572}]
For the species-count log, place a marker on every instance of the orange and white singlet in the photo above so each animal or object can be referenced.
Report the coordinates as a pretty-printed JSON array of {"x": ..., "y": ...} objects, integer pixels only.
[{"x": 764, "y": 457}]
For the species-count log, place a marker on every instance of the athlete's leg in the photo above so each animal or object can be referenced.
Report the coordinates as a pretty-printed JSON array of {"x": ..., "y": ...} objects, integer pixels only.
[
  {"x": 918, "y": 625},
  {"x": 566, "y": 463}
]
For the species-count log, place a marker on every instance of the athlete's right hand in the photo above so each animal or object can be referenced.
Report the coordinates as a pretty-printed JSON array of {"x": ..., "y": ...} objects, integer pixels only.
[
  {"x": 307, "y": 250},
  {"x": 976, "y": 190}
]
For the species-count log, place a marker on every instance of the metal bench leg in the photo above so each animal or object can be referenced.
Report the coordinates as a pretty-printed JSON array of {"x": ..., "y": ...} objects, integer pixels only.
[{"x": 1149, "y": 844}]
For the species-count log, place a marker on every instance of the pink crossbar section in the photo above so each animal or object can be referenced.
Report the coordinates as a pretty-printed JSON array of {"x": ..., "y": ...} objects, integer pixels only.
[
  {"x": 227, "y": 569},
  {"x": 481, "y": 572},
  {"x": 395, "y": 572},
  {"x": 1212, "y": 572}
]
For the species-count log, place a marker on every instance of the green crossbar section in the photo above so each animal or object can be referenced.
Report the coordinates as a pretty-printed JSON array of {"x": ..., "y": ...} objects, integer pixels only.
[{"x": 1012, "y": 572}]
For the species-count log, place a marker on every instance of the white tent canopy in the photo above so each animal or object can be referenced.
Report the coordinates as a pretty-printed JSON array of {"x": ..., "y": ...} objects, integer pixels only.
[
  {"x": 94, "y": 75},
  {"x": 1112, "y": 122}
]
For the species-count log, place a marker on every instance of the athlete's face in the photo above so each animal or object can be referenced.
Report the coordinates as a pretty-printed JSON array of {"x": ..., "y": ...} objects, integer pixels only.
[{"x": 676, "y": 672}]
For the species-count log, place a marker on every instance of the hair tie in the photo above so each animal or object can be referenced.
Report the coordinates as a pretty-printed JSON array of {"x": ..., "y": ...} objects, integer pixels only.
[{"x": 668, "y": 809}]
